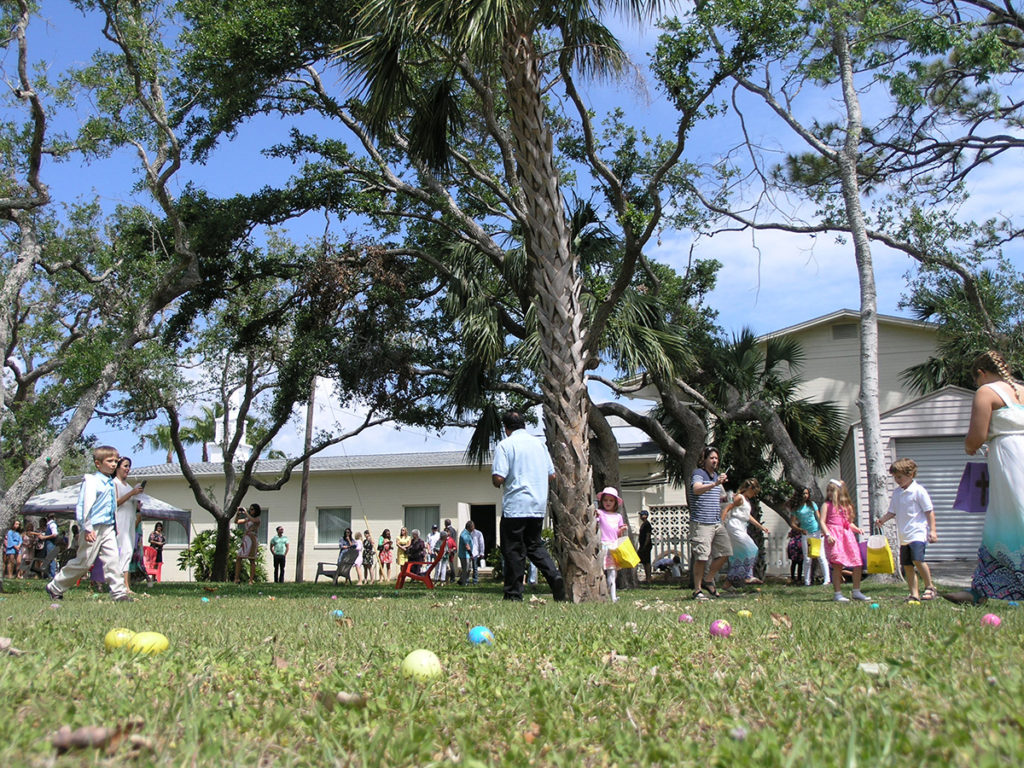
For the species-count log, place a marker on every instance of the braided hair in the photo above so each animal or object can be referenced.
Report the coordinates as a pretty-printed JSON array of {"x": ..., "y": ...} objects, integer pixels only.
[{"x": 993, "y": 362}]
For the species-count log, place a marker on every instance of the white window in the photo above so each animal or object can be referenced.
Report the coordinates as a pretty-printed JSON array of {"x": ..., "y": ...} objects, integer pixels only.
[
  {"x": 331, "y": 524},
  {"x": 175, "y": 533},
  {"x": 422, "y": 518}
]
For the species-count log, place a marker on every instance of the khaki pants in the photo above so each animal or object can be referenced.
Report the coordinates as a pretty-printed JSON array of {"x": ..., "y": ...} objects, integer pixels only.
[{"x": 104, "y": 547}]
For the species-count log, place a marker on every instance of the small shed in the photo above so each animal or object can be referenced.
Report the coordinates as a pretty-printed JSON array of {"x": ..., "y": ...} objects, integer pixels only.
[{"x": 929, "y": 430}]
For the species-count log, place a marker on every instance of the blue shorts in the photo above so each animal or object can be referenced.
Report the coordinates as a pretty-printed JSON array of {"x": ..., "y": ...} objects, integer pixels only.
[{"x": 912, "y": 553}]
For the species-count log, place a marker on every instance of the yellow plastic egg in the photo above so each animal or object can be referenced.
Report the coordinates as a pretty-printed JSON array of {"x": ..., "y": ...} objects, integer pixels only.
[
  {"x": 149, "y": 643},
  {"x": 118, "y": 638}
]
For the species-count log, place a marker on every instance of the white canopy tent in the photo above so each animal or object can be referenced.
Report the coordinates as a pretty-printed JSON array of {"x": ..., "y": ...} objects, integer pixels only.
[{"x": 62, "y": 503}]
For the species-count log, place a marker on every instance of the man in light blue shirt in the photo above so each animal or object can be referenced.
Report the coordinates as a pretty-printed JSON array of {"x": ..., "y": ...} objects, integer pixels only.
[
  {"x": 97, "y": 503},
  {"x": 522, "y": 468}
]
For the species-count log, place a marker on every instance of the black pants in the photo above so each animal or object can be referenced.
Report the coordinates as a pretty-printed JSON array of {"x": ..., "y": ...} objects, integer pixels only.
[
  {"x": 520, "y": 539},
  {"x": 279, "y": 569}
]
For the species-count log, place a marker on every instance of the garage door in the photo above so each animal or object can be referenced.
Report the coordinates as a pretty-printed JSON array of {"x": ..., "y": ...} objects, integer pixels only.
[{"x": 940, "y": 462}]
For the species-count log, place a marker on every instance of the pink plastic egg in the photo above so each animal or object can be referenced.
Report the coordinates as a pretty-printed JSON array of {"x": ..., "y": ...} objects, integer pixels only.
[{"x": 720, "y": 628}]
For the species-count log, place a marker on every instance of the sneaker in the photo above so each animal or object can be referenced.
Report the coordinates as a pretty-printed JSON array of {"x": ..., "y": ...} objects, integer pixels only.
[
  {"x": 858, "y": 595},
  {"x": 124, "y": 599},
  {"x": 53, "y": 593},
  {"x": 839, "y": 598}
]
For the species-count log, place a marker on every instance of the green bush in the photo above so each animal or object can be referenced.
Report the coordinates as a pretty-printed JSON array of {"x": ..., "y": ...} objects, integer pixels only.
[{"x": 199, "y": 557}]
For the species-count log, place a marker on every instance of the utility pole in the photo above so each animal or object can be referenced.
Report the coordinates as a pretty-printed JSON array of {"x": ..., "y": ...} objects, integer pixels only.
[{"x": 300, "y": 543}]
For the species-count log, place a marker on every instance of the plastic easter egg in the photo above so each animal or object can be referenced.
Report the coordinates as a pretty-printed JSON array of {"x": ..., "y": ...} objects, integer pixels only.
[
  {"x": 149, "y": 643},
  {"x": 205, "y": 599},
  {"x": 913, "y": 602},
  {"x": 744, "y": 614},
  {"x": 1012, "y": 603},
  {"x": 720, "y": 628},
  {"x": 685, "y": 618},
  {"x": 874, "y": 606},
  {"x": 990, "y": 620},
  {"x": 421, "y": 665},
  {"x": 481, "y": 636},
  {"x": 338, "y": 614},
  {"x": 118, "y": 638}
]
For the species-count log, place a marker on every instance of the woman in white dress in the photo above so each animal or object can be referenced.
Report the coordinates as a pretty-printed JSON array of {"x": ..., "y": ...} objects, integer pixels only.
[
  {"x": 997, "y": 418},
  {"x": 736, "y": 517},
  {"x": 126, "y": 517}
]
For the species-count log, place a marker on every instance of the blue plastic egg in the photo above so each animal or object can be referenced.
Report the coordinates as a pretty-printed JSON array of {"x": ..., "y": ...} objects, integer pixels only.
[{"x": 481, "y": 636}]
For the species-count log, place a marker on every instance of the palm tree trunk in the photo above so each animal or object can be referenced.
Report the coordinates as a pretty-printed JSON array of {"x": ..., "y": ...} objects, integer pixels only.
[{"x": 557, "y": 283}]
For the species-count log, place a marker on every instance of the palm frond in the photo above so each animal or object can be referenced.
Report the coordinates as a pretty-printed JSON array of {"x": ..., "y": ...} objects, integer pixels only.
[{"x": 486, "y": 432}]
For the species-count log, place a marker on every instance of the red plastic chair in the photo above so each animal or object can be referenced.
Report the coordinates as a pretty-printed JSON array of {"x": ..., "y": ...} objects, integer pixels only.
[
  {"x": 423, "y": 576},
  {"x": 153, "y": 568}
]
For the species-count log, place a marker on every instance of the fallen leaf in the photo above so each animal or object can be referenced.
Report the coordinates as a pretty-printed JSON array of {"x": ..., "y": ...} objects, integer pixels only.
[
  {"x": 94, "y": 736},
  {"x": 351, "y": 699},
  {"x": 530, "y": 735},
  {"x": 873, "y": 667},
  {"x": 6, "y": 646},
  {"x": 328, "y": 699},
  {"x": 783, "y": 619},
  {"x": 281, "y": 663},
  {"x": 613, "y": 657}
]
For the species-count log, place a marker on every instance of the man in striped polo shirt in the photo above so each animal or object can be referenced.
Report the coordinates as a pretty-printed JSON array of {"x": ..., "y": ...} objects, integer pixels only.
[{"x": 708, "y": 537}]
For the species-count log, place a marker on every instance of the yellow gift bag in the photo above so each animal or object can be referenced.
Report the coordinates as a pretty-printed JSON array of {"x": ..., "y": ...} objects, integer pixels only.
[
  {"x": 879, "y": 555},
  {"x": 624, "y": 554},
  {"x": 814, "y": 546}
]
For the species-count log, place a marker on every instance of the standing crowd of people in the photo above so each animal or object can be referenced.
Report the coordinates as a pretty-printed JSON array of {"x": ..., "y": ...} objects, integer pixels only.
[{"x": 462, "y": 554}]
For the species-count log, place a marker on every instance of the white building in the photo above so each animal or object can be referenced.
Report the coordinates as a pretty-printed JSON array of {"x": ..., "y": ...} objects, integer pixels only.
[{"x": 414, "y": 490}]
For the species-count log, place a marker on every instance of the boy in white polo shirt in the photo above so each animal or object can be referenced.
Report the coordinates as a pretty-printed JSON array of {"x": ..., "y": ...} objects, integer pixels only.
[
  {"x": 97, "y": 503},
  {"x": 915, "y": 519}
]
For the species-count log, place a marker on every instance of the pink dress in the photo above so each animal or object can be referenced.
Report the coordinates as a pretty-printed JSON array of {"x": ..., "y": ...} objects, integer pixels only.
[
  {"x": 846, "y": 550},
  {"x": 609, "y": 524}
]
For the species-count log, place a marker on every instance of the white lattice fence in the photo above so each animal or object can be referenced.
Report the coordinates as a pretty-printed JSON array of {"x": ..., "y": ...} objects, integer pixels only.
[
  {"x": 670, "y": 524},
  {"x": 671, "y": 536}
]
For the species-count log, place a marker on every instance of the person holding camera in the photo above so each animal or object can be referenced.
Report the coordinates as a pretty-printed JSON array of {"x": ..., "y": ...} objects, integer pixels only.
[
  {"x": 249, "y": 545},
  {"x": 128, "y": 517}
]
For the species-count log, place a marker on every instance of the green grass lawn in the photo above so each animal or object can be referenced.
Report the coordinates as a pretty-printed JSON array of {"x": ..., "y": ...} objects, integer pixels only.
[{"x": 249, "y": 680}]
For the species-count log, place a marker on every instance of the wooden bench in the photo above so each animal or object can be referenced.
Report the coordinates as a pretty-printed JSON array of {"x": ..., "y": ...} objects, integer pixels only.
[
  {"x": 424, "y": 576},
  {"x": 346, "y": 559}
]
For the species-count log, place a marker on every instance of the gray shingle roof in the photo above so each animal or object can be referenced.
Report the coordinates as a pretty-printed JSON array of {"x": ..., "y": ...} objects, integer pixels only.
[{"x": 367, "y": 462}]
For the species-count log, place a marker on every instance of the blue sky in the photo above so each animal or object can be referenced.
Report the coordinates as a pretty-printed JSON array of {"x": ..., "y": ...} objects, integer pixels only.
[{"x": 768, "y": 281}]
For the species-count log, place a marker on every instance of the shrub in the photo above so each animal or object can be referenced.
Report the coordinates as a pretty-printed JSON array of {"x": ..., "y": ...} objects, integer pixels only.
[{"x": 199, "y": 556}]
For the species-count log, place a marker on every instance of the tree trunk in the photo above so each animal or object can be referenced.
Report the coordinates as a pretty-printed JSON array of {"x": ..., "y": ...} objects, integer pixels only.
[
  {"x": 847, "y": 160},
  {"x": 796, "y": 468},
  {"x": 557, "y": 287},
  {"x": 604, "y": 452},
  {"x": 220, "y": 556}
]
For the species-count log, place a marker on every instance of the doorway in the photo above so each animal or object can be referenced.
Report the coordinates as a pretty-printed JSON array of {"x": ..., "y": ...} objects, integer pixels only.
[{"x": 484, "y": 517}]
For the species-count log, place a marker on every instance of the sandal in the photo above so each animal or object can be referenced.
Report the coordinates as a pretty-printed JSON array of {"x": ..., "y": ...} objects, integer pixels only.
[
  {"x": 700, "y": 597},
  {"x": 710, "y": 588},
  {"x": 912, "y": 599},
  {"x": 929, "y": 593}
]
